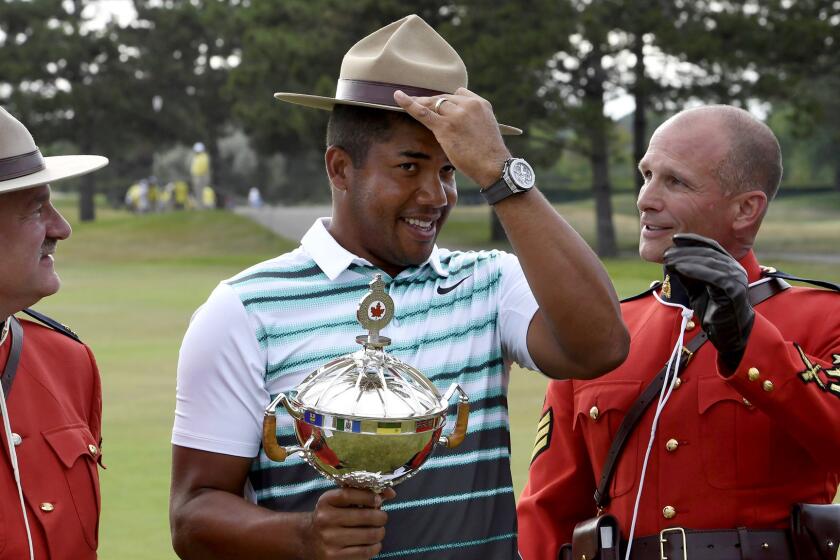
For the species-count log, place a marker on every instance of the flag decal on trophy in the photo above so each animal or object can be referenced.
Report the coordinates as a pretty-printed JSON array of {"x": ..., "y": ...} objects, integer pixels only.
[
  {"x": 313, "y": 418},
  {"x": 389, "y": 427},
  {"x": 425, "y": 425},
  {"x": 343, "y": 425}
]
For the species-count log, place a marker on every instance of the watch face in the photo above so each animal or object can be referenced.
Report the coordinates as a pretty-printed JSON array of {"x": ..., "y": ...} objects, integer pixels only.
[{"x": 522, "y": 174}]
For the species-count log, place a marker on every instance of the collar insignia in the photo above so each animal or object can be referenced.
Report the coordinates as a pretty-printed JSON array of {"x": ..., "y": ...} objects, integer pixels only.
[{"x": 666, "y": 287}]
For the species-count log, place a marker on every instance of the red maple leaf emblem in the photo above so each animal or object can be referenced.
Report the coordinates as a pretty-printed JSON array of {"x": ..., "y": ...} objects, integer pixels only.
[{"x": 376, "y": 311}]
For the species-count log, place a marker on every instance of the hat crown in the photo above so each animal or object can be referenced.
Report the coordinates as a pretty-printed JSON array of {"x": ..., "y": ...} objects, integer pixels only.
[
  {"x": 15, "y": 140},
  {"x": 22, "y": 166},
  {"x": 406, "y": 52}
]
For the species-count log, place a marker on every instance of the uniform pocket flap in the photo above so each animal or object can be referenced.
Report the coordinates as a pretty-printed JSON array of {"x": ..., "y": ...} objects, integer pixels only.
[
  {"x": 712, "y": 390},
  {"x": 70, "y": 442},
  {"x": 601, "y": 397}
]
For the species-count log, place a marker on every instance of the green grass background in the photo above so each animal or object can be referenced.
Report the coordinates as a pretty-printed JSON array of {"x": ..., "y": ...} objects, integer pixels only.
[{"x": 131, "y": 283}]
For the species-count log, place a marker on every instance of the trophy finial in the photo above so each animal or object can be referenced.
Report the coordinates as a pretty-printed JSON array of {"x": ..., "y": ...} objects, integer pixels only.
[{"x": 374, "y": 313}]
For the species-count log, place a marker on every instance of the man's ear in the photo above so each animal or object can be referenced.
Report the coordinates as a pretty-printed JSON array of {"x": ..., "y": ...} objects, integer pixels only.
[
  {"x": 339, "y": 167},
  {"x": 749, "y": 211}
]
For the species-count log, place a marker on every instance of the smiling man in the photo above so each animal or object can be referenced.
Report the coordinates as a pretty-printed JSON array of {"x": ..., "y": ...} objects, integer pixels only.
[
  {"x": 51, "y": 400},
  {"x": 402, "y": 121},
  {"x": 750, "y": 430}
]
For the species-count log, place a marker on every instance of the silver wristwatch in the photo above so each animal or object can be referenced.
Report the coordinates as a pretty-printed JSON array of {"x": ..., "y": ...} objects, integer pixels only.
[{"x": 517, "y": 177}]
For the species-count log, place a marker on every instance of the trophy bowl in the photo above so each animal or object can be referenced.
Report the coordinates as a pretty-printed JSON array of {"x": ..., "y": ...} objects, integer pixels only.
[{"x": 367, "y": 419}]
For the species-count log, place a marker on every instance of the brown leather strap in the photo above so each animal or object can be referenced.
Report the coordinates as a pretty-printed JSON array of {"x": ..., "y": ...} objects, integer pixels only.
[
  {"x": 380, "y": 93},
  {"x": 773, "y": 273},
  {"x": 758, "y": 293},
  {"x": 597, "y": 538},
  {"x": 16, "y": 336},
  {"x": 732, "y": 544},
  {"x": 766, "y": 290},
  {"x": 19, "y": 166}
]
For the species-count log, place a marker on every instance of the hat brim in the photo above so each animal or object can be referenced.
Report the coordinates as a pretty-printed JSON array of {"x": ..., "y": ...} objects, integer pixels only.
[
  {"x": 327, "y": 103},
  {"x": 55, "y": 169}
]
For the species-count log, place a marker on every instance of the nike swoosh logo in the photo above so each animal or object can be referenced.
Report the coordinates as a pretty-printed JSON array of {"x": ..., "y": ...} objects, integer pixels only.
[{"x": 445, "y": 290}]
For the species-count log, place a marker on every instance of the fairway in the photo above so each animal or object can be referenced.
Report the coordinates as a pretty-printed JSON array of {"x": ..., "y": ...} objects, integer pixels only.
[{"x": 132, "y": 282}]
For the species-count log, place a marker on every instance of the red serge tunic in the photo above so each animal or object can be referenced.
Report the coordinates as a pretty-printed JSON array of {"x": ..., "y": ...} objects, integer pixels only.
[
  {"x": 729, "y": 452},
  {"x": 55, "y": 406}
]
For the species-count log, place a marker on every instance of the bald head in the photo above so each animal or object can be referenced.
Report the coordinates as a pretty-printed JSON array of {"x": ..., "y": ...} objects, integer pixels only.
[{"x": 753, "y": 158}]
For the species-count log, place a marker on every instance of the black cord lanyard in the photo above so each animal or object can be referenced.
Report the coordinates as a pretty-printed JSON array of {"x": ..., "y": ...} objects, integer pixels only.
[{"x": 16, "y": 334}]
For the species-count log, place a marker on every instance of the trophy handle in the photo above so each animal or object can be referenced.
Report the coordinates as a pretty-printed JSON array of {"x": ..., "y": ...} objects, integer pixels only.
[
  {"x": 460, "y": 431},
  {"x": 274, "y": 450}
]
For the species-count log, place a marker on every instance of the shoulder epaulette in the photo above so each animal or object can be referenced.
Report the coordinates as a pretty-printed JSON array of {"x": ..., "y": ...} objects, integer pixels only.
[
  {"x": 52, "y": 323},
  {"x": 773, "y": 273},
  {"x": 653, "y": 287}
]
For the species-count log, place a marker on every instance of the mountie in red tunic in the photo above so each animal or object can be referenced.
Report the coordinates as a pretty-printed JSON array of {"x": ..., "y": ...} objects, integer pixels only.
[
  {"x": 729, "y": 452},
  {"x": 55, "y": 410}
]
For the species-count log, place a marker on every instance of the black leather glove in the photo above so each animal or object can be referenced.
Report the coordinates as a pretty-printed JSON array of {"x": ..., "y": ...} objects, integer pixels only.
[{"x": 719, "y": 294}]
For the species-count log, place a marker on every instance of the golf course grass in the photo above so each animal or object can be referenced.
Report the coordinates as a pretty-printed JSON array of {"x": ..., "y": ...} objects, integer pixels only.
[{"x": 130, "y": 284}]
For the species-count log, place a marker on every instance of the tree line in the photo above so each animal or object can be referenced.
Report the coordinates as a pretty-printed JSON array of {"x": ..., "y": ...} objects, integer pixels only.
[{"x": 189, "y": 70}]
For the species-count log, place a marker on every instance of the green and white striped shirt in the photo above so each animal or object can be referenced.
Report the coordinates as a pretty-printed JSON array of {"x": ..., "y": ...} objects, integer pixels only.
[{"x": 460, "y": 317}]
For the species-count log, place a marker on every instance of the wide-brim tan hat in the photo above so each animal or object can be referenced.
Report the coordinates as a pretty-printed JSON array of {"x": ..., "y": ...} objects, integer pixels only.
[
  {"x": 406, "y": 55},
  {"x": 22, "y": 166}
]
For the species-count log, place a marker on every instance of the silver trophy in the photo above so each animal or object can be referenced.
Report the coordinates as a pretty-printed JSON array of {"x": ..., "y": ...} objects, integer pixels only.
[{"x": 367, "y": 419}]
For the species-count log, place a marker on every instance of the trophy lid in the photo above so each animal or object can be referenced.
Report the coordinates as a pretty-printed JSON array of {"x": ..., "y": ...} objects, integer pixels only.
[{"x": 370, "y": 383}]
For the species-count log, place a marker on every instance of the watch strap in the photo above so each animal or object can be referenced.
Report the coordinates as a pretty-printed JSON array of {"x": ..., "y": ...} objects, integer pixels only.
[{"x": 497, "y": 192}]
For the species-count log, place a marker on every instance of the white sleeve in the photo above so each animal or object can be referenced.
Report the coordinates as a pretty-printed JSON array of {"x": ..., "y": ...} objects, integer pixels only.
[
  {"x": 517, "y": 307},
  {"x": 220, "y": 395}
]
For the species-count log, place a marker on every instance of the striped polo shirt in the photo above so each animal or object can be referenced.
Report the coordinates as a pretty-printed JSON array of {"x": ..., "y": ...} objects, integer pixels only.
[{"x": 461, "y": 317}]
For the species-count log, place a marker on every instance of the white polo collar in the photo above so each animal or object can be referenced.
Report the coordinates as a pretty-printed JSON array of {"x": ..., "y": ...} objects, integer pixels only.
[{"x": 333, "y": 259}]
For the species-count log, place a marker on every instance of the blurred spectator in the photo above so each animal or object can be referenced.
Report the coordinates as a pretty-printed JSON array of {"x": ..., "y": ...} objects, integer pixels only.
[
  {"x": 154, "y": 194},
  {"x": 208, "y": 197},
  {"x": 166, "y": 196},
  {"x": 137, "y": 197},
  {"x": 200, "y": 172},
  {"x": 181, "y": 195},
  {"x": 143, "y": 197},
  {"x": 131, "y": 195},
  {"x": 254, "y": 198}
]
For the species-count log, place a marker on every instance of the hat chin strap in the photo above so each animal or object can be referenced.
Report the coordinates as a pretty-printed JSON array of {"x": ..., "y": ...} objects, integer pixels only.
[{"x": 21, "y": 165}]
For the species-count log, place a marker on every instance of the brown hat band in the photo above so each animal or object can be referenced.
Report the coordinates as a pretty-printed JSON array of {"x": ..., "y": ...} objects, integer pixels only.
[
  {"x": 19, "y": 166},
  {"x": 379, "y": 93}
]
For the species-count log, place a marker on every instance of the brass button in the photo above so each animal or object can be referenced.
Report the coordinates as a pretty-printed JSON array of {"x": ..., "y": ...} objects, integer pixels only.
[
  {"x": 668, "y": 512},
  {"x": 93, "y": 450},
  {"x": 16, "y": 439},
  {"x": 767, "y": 385},
  {"x": 678, "y": 382},
  {"x": 594, "y": 413},
  {"x": 671, "y": 445},
  {"x": 46, "y": 506},
  {"x": 690, "y": 325},
  {"x": 746, "y": 402},
  {"x": 753, "y": 374}
]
